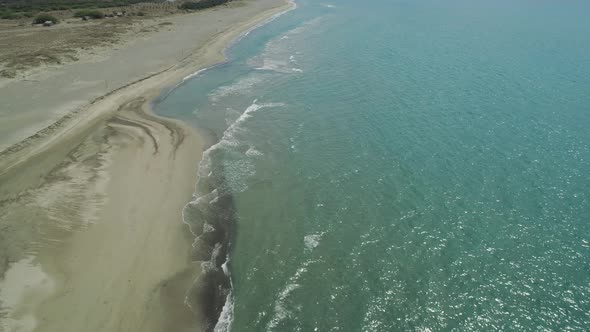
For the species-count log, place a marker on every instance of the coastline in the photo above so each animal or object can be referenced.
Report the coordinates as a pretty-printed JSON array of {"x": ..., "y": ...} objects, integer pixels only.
[{"x": 104, "y": 188}]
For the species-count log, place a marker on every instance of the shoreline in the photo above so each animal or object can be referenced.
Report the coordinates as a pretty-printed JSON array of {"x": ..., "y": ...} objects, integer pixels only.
[{"x": 125, "y": 170}]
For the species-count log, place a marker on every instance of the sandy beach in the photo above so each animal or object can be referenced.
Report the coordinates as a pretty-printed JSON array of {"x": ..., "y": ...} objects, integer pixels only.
[{"x": 92, "y": 184}]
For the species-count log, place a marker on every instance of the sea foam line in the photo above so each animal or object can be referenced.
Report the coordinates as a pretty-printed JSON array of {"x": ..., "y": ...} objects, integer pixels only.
[
  {"x": 225, "y": 319},
  {"x": 198, "y": 72},
  {"x": 292, "y": 6},
  {"x": 281, "y": 312},
  {"x": 227, "y": 139}
]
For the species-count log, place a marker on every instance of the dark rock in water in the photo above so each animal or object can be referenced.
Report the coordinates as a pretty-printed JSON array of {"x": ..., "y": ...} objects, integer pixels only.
[
  {"x": 211, "y": 219},
  {"x": 209, "y": 294},
  {"x": 201, "y": 250}
]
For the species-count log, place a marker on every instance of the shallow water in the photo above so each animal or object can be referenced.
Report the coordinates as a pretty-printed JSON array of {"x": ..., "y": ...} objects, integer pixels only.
[{"x": 399, "y": 165}]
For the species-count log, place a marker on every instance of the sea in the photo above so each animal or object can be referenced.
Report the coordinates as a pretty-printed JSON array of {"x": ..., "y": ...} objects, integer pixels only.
[{"x": 395, "y": 165}]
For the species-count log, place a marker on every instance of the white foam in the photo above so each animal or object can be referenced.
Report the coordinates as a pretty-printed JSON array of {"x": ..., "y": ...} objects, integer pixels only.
[
  {"x": 215, "y": 196},
  {"x": 253, "y": 152},
  {"x": 281, "y": 312},
  {"x": 274, "y": 65},
  {"x": 240, "y": 87},
  {"x": 226, "y": 318},
  {"x": 237, "y": 172},
  {"x": 311, "y": 241},
  {"x": 227, "y": 138},
  {"x": 278, "y": 54},
  {"x": 280, "y": 309},
  {"x": 216, "y": 251},
  {"x": 197, "y": 200},
  {"x": 207, "y": 228},
  {"x": 306, "y": 25},
  {"x": 197, "y": 73},
  {"x": 293, "y": 5}
]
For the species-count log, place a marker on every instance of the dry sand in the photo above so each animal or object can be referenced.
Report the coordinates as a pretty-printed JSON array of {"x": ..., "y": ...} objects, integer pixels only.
[
  {"x": 43, "y": 96},
  {"x": 91, "y": 237}
]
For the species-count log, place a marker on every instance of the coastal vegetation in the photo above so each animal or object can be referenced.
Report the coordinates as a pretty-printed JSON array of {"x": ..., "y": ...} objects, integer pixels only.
[
  {"x": 92, "y": 13},
  {"x": 42, "y": 18},
  {"x": 16, "y": 8},
  {"x": 196, "y": 5},
  {"x": 8, "y": 15},
  {"x": 55, "y": 47}
]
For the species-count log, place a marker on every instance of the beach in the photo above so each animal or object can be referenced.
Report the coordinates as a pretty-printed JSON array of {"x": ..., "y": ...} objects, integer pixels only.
[
  {"x": 348, "y": 166},
  {"x": 92, "y": 184}
]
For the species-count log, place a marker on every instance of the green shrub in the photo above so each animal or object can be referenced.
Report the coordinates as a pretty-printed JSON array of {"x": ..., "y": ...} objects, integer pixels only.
[
  {"x": 92, "y": 13},
  {"x": 8, "y": 15},
  {"x": 141, "y": 14},
  {"x": 42, "y": 18},
  {"x": 202, "y": 4}
]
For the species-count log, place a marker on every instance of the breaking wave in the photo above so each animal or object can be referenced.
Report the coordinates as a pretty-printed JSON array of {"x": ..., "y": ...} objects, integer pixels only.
[{"x": 210, "y": 216}]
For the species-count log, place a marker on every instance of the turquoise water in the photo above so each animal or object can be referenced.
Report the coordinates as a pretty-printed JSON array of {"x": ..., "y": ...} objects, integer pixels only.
[{"x": 397, "y": 165}]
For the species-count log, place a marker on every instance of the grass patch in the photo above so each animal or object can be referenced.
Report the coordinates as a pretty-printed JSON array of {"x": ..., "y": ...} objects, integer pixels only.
[
  {"x": 92, "y": 13},
  {"x": 203, "y": 4},
  {"x": 8, "y": 15},
  {"x": 42, "y": 18},
  {"x": 20, "y": 6}
]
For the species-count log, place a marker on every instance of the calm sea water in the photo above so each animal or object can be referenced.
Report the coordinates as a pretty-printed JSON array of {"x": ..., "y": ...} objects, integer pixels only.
[{"x": 398, "y": 165}]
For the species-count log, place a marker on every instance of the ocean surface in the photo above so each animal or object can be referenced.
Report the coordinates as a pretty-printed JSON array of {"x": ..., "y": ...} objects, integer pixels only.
[{"x": 396, "y": 165}]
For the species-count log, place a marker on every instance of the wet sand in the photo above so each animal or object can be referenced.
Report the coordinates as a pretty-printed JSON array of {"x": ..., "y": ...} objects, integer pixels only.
[{"x": 91, "y": 233}]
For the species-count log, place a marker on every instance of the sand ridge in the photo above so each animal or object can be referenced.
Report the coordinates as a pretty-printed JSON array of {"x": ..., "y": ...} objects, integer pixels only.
[{"x": 120, "y": 268}]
